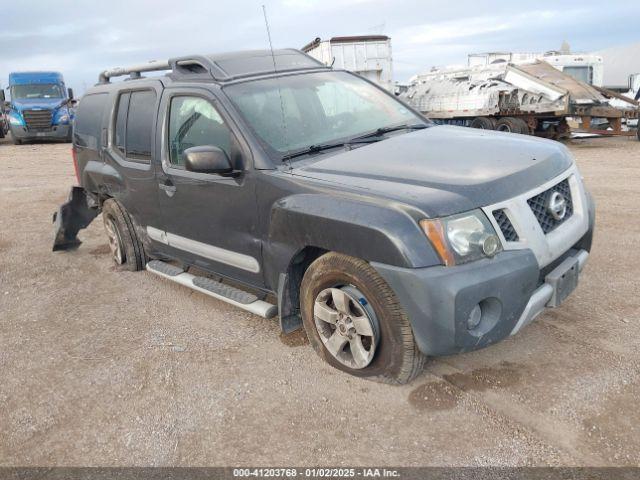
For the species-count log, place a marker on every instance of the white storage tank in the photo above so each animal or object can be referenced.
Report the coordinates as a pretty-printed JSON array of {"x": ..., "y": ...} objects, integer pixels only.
[{"x": 367, "y": 55}]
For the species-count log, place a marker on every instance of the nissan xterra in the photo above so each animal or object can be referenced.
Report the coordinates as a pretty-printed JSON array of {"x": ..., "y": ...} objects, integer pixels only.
[{"x": 312, "y": 194}]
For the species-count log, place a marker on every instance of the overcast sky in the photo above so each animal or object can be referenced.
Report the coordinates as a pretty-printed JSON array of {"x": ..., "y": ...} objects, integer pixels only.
[{"x": 82, "y": 37}]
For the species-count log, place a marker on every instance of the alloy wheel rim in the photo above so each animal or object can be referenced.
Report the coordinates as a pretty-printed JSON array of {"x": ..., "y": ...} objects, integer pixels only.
[
  {"x": 115, "y": 244},
  {"x": 347, "y": 325}
]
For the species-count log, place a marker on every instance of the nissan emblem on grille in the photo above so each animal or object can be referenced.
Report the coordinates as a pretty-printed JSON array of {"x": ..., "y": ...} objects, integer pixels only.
[
  {"x": 553, "y": 206},
  {"x": 557, "y": 205}
]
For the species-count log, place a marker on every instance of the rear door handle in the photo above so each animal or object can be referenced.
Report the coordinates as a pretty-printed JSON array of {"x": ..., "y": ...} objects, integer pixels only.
[{"x": 168, "y": 188}]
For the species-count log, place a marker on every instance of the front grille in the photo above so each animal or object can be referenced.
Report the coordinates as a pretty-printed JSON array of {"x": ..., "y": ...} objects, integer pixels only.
[
  {"x": 505, "y": 225},
  {"x": 539, "y": 206},
  {"x": 38, "y": 119}
]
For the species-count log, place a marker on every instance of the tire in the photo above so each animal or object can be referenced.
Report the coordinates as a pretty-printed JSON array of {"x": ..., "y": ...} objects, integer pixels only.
[
  {"x": 16, "y": 141},
  {"x": 510, "y": 125},
  {"x": 127, "y": 252},
  {"x": 395, "y": 356},
  {"x": 523, "y": 126},
  {"x": 483, "y": 123}
]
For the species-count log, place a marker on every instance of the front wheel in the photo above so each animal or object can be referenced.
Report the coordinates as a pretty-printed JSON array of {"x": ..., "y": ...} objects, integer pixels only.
[{"x": 355, "y": 322}]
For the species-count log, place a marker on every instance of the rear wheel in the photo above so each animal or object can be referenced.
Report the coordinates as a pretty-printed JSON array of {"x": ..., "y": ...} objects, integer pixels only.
[
  {"x": 126, "y": 248},
  {"x": 512, "y": 125},
  {"x": 355, "y": 322},
  {"x": 522, "y": 125},
  {"x": 483, "y": 123}
]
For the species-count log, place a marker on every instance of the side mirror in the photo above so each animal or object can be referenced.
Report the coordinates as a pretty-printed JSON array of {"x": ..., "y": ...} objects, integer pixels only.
[
  {"x": 70, "y": 92},
  {"x": 207, "y": 159},
  {"x": 2, "y": 98}
]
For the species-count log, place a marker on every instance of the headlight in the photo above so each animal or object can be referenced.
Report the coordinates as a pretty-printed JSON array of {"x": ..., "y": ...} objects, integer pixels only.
[
  {"x": 462, "y": 238},
  {"x": 61, "y": 116},
  {"x": 16, "y": 119}
]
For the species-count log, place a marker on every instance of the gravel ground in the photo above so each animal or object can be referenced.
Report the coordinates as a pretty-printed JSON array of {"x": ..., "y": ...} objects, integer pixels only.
[{"x": 102, "y": 367}]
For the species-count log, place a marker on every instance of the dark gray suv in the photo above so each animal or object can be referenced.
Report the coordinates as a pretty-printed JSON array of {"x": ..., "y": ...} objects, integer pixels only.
[{"x": 301, "y": 191}]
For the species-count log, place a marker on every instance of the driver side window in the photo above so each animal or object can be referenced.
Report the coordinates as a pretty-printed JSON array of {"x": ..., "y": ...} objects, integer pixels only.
[{"x": 194, "y": 121}]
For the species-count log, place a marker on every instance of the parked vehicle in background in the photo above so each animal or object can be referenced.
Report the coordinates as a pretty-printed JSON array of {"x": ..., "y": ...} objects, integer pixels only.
[
  {"x": 527, "y": 98},
  {"x": 4, "y": 125},
  {"x": 321, "y": 198},
  {"x": 634, "y": 93},
  {"x": 366, "y": 55},
  {"x": 626, "y": 99},
  {"x": 39, "y": 107},
  {"x": 585, "y": 67},
  {"x": 634, "y": 84}
]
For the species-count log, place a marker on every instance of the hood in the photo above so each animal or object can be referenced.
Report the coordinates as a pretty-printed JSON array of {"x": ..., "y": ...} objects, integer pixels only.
[
  {"x": 444, "y": 170},
  {"x": 21, "y": 104}
]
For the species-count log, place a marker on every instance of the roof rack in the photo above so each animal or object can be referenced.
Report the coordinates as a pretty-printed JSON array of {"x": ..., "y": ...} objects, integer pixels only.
[
  {"x": 134, "y": 70},
  {"x": 221, "y": 67}
]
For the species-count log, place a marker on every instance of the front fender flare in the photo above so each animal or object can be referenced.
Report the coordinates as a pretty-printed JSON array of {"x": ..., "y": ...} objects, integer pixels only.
[{"x": 373, "y": 231}]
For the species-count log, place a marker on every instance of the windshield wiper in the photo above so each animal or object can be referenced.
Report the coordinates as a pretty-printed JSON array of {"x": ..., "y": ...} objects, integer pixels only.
[
  {"x": 327, "y": 146},
  {"x": 366, "y": 138},
  {"x": 382, "y": 130}
]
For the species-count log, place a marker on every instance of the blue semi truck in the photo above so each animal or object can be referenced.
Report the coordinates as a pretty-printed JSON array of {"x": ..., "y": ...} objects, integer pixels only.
[{"x": 40, "y": 107}]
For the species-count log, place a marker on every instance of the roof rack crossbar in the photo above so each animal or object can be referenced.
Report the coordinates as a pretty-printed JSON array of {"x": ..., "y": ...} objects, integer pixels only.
[{"x": 134, "y": 70}]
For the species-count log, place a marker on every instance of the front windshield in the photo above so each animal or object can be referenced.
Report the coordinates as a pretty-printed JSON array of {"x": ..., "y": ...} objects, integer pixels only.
[
  {"x": 40, "y": 90},
  {"x": 319, "y": 108}
]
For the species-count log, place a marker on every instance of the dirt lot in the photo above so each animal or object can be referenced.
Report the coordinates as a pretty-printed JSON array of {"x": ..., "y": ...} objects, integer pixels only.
[{"x": 102, "y": 367}]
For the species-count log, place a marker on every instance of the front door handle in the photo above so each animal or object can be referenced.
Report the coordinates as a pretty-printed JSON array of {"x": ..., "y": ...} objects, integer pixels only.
[{"x": 168, "y": 188}]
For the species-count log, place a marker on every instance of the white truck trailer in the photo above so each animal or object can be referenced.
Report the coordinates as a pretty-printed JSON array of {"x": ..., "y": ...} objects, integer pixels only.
[
  {"x": 634, "y": 87},
  {"x": 528, "y": 98},
  {"x": 587, "y": 68},
  {"x": 367, "y": 55}
]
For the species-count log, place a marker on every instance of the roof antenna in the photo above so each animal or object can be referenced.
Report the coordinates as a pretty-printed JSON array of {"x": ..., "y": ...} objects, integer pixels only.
[{"x": 275, "y": 69}]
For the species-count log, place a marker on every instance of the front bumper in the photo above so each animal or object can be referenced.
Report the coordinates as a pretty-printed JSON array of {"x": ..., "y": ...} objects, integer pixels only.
[
  {"x": 535, "y": 272},
  {"x": 510, "y": 289},
  {"x": 57, "y": 132}
]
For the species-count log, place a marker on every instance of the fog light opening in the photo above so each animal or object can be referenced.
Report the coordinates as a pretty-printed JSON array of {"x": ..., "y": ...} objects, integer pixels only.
[
  {"x": 484, "y": 316},
  {"x": 474, "y": 317}
]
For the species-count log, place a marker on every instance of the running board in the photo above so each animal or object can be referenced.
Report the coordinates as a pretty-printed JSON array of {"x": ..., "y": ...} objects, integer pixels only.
[{"x": 239, "y": 298}]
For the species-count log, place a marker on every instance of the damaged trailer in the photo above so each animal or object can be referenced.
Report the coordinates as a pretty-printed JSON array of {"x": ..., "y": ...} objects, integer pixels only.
[{"x": 531, "y": 98}]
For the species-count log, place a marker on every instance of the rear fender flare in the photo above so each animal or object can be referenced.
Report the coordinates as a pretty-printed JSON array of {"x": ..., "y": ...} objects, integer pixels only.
[{"x": 102, "y": 179}]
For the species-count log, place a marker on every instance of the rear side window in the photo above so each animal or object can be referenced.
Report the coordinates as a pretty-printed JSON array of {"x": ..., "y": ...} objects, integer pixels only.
[
  {"x": 88, "y": 120},
  {"x": 133, "y": 132},
  {"x": 121, "y": 122}
]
